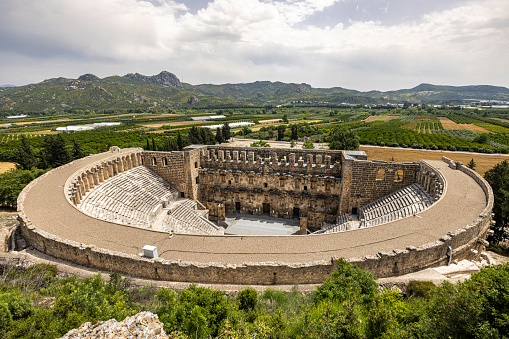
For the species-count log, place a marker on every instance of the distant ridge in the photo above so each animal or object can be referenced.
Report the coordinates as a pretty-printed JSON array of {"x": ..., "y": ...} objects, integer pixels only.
[{"x": 135, "y": 91}]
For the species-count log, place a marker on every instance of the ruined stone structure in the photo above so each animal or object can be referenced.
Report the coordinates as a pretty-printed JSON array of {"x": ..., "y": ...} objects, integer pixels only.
[{"x": 318, "y": 187}]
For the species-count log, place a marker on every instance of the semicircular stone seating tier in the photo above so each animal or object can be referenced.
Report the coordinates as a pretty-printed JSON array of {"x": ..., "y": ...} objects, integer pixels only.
[
  {"x": 139, "y": 197},
  {"x": 405, "y": 202}
]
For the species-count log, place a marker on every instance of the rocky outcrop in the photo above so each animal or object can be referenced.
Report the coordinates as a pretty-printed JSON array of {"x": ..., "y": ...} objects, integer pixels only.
[
  {"x": 88, "y": 77},
  {"x": 141, "y": 325},
  {"x": 193, "y": 100},
  {"x": 164, "y": 78},
  {"x": 293, "y": 88}
]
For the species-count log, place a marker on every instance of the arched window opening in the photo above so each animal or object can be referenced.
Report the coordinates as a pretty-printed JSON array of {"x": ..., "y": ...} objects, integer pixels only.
[
  {"x": 398, "y": 176},
  {"x": 380, "y": 175}
]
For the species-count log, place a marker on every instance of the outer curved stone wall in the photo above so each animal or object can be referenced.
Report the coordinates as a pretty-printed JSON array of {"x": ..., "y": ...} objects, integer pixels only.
[{"x": 466, "y": 242}]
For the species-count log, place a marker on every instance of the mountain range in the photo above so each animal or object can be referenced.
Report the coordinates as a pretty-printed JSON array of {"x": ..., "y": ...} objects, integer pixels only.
[{"x": 165, "y": 90}]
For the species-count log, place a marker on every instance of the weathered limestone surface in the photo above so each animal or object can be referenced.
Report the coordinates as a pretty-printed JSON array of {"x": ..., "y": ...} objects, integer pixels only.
[{"x": 141, "y": 325}]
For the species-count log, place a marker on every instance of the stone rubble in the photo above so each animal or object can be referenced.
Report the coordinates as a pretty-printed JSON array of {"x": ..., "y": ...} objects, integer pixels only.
[{"x": 141, "y": 325}]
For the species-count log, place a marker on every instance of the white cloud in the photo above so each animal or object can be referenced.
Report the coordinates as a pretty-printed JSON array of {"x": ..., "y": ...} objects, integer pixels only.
[{"x": 248, "y": 40}]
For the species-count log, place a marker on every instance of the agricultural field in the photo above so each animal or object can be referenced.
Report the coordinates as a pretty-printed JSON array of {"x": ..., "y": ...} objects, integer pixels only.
[
  {"x": 483, "y": 161},
  {"x": 424, "y": 124},
  {"x": 451, "y": 125}
]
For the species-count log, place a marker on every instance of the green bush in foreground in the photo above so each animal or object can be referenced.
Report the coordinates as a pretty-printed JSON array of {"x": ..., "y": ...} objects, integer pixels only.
[{"x": 348, "y": 305}]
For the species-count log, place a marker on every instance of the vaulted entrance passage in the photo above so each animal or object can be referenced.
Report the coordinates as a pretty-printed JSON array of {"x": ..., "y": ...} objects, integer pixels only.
[
  {"x": 296, "y": 213},
  {"x": 266, "y": 209},
  {"x": 237, "y": 207}
]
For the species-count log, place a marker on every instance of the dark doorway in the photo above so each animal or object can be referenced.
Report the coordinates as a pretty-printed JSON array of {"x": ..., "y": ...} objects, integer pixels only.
[
  {"x": 354, "y": 210},
  {"x": 182, "y": 195},
  {"x": 296, "y": 213},
  {"x": 266, "y": 209},
  {"x": 237, "y": 207}
]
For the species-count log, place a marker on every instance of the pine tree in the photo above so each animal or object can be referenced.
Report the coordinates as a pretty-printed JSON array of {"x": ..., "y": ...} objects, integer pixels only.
[
  {"x": 180, "y": 142},
  {"x": 471, "y": 164},
  {"x": 226, "y": 132},
  {"x": 55, "y": 152},
  {"x": 219, "y": 135},
  {"x": 25, "y": 157},
  {"x": 498, "y": 178},
  {"x": 77, "y": 150}
]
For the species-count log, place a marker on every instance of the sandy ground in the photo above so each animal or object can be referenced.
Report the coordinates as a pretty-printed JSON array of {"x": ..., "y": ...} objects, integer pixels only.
[
  {"x": 483, "y": 161},
  {"x": 449, "y": 124},
  {"x": 6, "y": 166}
]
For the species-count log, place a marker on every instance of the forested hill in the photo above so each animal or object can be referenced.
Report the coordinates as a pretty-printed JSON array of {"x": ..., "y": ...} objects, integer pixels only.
[{"x": 135, "y": 91}]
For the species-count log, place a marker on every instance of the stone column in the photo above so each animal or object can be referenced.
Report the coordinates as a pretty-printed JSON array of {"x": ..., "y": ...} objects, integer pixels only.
[
  {"x": 86, "y": 186},
  {"x": 291, "y": 159},
  {"x": 106, "y": 170},
  {"x": 235, "y": 156},
  {"x": 309, "y": 160},
  {"x": 243, "y": 156},
  {"x": 328, "y": 161},
  {"x": 318, "y": 160},
  {"x": 81, "y": 186},
  {"x": 120, "y": 165},
  {"x": 95, "y": 176},
  {"x": 100, "y": 177},
  {"x": 220, "y": 155},
  {"x": 91, "y": 182},
  {"x": 228, "y": 156}
]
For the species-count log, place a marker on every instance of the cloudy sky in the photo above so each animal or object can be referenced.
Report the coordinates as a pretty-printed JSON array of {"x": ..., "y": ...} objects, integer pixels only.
[{"x": 358, "y": 44}]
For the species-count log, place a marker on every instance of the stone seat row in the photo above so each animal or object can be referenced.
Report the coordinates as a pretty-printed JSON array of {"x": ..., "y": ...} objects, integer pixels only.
[
  {"x": 400, "y": 204},
  {"x": 131, "y": 198},
  {"x": 184, "y": 218}
]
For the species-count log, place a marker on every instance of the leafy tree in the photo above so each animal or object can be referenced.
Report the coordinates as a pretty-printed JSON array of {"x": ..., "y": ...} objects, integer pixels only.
[
  {"x": 219, "y": 135},
  {"x": 498, "y": 178},
  {"x": 308, "y": 144},
  {"x": 347, "y": 282},
  {"x": 194, "y": 136},
  {"x": 295, "y": 131},
  {"x": 341, "y": 138},
  {"x": 285, "y": 118},
  {"x": 25, "y": 157},
  {"x": 55, "y": 152},
  {"x": 226, "y": 131},
  {"x": 281, "y": 132},
  {"x": 13, "y": 182},
  {"x": 292, "y": 143},
  {"x": 77, "y": 150},
  {"x": 471, "y": 164},
  {"x": 247, "y": 299},
  {"x": 180, "y": 142},
  {"x": 197, "y": 311},
  {"x": 170, "y": 145}
]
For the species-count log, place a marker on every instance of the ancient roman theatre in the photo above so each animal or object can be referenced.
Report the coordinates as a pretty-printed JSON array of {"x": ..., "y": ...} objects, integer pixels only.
[{"x": 261, "y": 216}]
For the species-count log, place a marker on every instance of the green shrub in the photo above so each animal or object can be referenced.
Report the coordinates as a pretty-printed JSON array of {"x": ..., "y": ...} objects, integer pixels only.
[
  {"x": 247, "y": 299},
  {"x": 19, "y": 307},
  {"x": 347, "y": 282},
  {"x": 5, "y": 319},
  {"x": 420, "y": 289}
]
